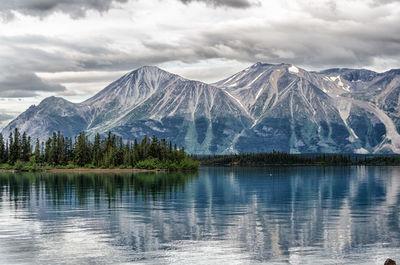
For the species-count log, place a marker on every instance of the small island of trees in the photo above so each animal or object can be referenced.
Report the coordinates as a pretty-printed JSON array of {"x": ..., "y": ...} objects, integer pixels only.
[{"x": 17, "y": 152}]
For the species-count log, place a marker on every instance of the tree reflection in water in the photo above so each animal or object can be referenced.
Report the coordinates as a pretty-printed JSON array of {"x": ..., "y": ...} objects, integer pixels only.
[{"x": 62, "y": 188}]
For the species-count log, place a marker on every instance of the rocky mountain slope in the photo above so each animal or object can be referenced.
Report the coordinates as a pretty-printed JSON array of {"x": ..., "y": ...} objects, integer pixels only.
[{"x": 263, "y": 108}]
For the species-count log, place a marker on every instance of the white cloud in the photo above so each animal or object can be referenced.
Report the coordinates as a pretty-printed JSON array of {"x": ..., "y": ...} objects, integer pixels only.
[{"x": 204, "y": 40}]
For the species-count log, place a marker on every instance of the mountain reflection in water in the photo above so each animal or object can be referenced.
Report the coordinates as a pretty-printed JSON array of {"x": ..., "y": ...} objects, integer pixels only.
[{"x": 271, "y": 215}]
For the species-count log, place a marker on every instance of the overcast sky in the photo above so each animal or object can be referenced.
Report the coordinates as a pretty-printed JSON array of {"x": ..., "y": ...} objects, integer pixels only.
[{"x": 74, "y": 48}]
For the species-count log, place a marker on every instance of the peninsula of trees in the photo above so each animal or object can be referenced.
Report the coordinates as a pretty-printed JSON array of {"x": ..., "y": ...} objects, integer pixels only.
[{"x": 18, "y": 152}]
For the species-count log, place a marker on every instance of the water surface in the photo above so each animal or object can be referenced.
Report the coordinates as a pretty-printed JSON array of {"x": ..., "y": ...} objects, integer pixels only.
[{"x": 277, "y": 215}]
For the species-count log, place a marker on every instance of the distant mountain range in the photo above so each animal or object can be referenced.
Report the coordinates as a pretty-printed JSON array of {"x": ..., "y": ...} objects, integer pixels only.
[{"x": 263, "y": 108}]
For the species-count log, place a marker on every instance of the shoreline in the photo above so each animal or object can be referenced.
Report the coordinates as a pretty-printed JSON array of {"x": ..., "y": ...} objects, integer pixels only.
[
  {"x": 89, "y": 170},
  {"x": 298, "y": 165}
]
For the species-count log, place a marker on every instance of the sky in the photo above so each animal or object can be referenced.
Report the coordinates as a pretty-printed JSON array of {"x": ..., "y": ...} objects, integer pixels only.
[{"x": 74, "y": 48}]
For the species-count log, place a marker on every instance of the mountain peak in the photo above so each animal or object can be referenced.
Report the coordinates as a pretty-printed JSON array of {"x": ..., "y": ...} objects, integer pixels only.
[
  {"x": 54, "y": 100},
  {"x": 135, "y": 86},
  {"x": 261, "y": 65},
  {"x": 148, "y": 68}
]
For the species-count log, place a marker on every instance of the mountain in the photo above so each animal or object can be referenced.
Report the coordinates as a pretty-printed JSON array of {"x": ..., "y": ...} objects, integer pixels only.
[
  {"x": 263, "y": 108},
  {"x": 147, "y": 101}
]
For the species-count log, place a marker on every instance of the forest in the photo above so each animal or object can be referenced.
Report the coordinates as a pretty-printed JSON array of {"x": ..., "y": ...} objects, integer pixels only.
[
  {"x": 281, "y": 158},
  {"x": 19, "y": 153}
]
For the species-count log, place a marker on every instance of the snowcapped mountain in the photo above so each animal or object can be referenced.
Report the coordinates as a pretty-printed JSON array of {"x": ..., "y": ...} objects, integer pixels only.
[{"x": 265, "y": 107}]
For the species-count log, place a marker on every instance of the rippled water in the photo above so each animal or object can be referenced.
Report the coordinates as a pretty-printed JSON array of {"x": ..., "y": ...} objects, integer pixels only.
[{"x": 278, "y": 215}]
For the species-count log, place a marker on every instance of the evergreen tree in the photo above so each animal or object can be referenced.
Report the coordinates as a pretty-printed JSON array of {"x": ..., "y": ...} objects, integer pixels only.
[
  {"x": 25, "y": 148},
  {"x": 127, "y": 154},
  {"x": 37, "y": 151},
  {"x": 60, "y": 153},
  {"x": 53, "y": 150},
  {"x": 2, "y": 149},
  {"x": 153, "y": 148},
  {"x": 82, "y": 154},
  {"x": 163, "y": 149},
  {"x": 6, "y": 153},
  {"x": 96, "y": 151},
  {"x": 47, "y": 148},
  {"x": 136, "y": 156},
  {"x": 144, "y": 147},
  {"x": 69, "y": 152},
  {"x": 15, "y": 147}
]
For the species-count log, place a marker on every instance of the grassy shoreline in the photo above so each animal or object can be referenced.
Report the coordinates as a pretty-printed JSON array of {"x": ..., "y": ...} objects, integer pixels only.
[{"x": 148, "y": 165}]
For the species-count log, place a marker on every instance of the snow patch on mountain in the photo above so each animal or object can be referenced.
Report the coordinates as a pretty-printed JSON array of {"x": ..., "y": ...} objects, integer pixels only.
[
  {"x": 293, "y": 69},
  {"x": 254, "y": 80},
  {"x": 361, "y": 151},
  {"x": 259, "y": 93},
  {"x": 238, "y": 101}
]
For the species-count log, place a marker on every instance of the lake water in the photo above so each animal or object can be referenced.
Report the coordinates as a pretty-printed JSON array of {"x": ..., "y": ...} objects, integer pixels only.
[{"x": 271, "y": 215}]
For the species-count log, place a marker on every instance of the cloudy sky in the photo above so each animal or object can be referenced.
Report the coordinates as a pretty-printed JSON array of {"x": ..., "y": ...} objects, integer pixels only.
[{"x": 74, "y": 48}]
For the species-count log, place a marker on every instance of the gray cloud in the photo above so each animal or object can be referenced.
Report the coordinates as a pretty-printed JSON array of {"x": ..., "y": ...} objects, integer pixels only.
[
  {"x": 384, "y": 2},
  {"x": 41, "y": 8},
  {"x": 328, "y": 37},
  {"x": 5, "y": 117},
  {"x": 321, "y": 44},
  {"x": 316, "y": 44},
  {"x": 21, "y": 85},
  {"x": 315, "y": 47},
  {"x": 227, "y": 3}
]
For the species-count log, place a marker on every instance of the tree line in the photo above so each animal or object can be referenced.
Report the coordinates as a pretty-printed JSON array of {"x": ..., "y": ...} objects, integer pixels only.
[
  {"x": 282, "y": 158},
  {"x": 111, "y": 151}
]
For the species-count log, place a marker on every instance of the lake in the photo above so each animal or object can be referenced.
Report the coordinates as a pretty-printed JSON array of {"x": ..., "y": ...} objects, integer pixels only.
[{"x": 241, "y": 215}]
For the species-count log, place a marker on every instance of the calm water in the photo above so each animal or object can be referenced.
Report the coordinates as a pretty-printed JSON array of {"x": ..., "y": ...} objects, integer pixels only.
[{"x": 334, "y": 215}]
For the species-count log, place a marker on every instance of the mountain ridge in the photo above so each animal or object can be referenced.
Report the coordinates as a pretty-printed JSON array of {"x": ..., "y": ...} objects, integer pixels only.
[{"x": 262, "y": 108}]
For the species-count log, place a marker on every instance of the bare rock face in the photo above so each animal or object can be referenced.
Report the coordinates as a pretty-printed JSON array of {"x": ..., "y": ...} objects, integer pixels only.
[{"x": 263, "y": 108}]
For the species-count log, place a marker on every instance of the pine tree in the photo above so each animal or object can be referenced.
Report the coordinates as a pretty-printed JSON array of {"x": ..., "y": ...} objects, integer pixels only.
[
  {"x": 144, "y": 147},
  {"x": 82, "y": 153},
  {"x": 96, "y": 151},
  {"x": 6, "y": 153},
  {"x": 153, "y": 148},
  {"x": 136, "y": 155},
  {"x": 127, "y": 154},
  {"x": 163, "y": 149},
  {"x": 15, "y": 147},
  {"x": 69, "y": 152},
  {"x": 53, "y": 150},
  {"x": 120, "y": 153},
  {"x": 181, "y": 153},
  {"x": 60, "y": 149},
  {"x": 11, "y": 159},
  {"x": 47, "y": 157},
  {"x": 25, "y": 148},
  {"x": 2, "y": 149},
  {"x": 37, "y": 152}
]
